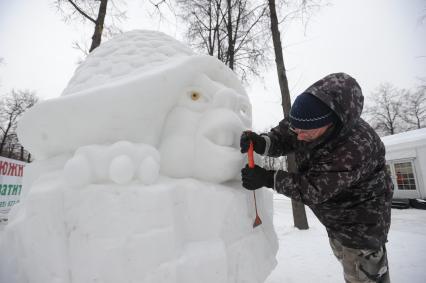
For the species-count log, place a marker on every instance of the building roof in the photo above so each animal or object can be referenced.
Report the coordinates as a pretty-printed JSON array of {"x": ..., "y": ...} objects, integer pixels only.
[{"x": 410, "y": 139}]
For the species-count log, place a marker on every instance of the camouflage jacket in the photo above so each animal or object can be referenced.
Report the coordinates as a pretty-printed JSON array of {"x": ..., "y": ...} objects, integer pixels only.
[{"x": 342, "y": 176}]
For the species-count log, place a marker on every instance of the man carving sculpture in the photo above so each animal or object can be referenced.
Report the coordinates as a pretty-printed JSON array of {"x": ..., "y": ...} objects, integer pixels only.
[{"x": 341, "y": 176}]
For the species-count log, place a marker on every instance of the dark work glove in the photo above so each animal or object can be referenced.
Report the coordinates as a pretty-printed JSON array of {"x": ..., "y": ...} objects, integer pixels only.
[
  {"x": 257, "y": 177},
  {"x": 259, "y": 143}
]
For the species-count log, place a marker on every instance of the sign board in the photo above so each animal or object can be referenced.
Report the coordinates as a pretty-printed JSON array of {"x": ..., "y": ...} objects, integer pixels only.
[{"x": 11, "y": 175}]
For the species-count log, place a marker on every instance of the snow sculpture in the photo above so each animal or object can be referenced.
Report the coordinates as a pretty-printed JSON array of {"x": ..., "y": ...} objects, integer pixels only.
[
  {"x": 135, "y": 175},
  {"x": 146, "y": 87}
]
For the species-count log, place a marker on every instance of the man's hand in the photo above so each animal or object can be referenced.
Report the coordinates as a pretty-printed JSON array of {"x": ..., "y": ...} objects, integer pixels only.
[
  {"x": 259, "y": 143},
  {"x": 257, "y": 177}
]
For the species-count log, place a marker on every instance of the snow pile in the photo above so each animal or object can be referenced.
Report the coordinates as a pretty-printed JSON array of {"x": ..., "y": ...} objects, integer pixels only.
[{"x": 136, "y": 178}]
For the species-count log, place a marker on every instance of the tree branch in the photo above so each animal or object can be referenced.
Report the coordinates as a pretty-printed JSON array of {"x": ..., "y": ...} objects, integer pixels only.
[{"x": 82, "y": 12}]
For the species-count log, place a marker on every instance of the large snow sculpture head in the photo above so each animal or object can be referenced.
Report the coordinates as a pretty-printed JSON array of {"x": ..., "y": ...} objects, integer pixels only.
[{"x": 146, "y": 87}]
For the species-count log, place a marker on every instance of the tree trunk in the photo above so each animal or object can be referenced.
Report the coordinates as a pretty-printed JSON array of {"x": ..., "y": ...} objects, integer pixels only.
[
  {"x": 3, "y": 141},
  {"x": 22, "y": 154},
  {"x": 10, "y": 154},
  {"x": 299, "y": 214},
  {"x": 99, "y": 25},
  {"x": 230, "y": 36}
]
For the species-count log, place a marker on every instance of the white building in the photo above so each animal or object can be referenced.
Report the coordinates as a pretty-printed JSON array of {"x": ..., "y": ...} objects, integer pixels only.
[{"x": 406, "y": 160}]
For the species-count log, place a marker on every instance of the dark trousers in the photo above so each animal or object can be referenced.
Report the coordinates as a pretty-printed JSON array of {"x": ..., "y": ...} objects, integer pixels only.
[{"x": 362, "y": 265}]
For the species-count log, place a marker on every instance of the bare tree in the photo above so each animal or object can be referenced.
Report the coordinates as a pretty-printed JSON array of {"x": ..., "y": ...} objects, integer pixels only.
[
  {"x": 94, "y": 11},
  {"x": 294, "y": 10},
  {"x": 384, "y": 113},
  {"x": 12, "y": 106},
  {"x": 230, "y": 30},
  {"x": 414, "y": 107}
]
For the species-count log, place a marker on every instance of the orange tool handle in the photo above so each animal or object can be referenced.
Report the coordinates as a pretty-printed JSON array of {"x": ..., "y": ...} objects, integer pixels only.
[{"x": 250, "y": 156}]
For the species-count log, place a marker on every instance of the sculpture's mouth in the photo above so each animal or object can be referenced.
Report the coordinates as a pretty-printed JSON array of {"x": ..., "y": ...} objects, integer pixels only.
[
  {"x": 228, "y": 139},
  {"x": 217, "y": 146}
]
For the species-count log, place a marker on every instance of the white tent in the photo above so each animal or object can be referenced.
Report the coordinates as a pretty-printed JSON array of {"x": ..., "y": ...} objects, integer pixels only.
[{"x": 406, "y": 160}]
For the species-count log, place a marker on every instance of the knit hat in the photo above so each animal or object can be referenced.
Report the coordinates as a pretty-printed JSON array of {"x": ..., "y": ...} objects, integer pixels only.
[{"x": 309, "y": 112}]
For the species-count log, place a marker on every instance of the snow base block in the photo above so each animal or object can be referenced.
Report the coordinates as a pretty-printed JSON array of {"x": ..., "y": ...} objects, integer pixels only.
[{"x": 174, "y": 231}]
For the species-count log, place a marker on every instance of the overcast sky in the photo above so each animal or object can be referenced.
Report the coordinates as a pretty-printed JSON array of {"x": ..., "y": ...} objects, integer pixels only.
[{"x": 375, "y": 41}]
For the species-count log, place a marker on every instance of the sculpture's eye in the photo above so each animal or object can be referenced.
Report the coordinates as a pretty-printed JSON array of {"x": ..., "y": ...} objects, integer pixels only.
[
  {"x": 195, "y": 95},
  {"x": 195, "y": 98}
]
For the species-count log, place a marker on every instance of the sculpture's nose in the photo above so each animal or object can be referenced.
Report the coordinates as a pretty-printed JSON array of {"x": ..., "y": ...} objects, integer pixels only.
[{"x": 225, "y": 98}]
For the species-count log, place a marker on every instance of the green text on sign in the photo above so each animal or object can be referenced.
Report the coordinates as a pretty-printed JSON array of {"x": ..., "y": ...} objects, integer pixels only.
[{"x": 11, "y": 189}]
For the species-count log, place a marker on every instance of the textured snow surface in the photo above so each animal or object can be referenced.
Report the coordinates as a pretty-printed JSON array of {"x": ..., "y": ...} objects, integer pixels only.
[{"x": 128, "y": 54}]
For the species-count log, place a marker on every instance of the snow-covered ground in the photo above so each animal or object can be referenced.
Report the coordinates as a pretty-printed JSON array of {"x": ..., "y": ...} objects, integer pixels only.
[{"x": 305, "y": 256}]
